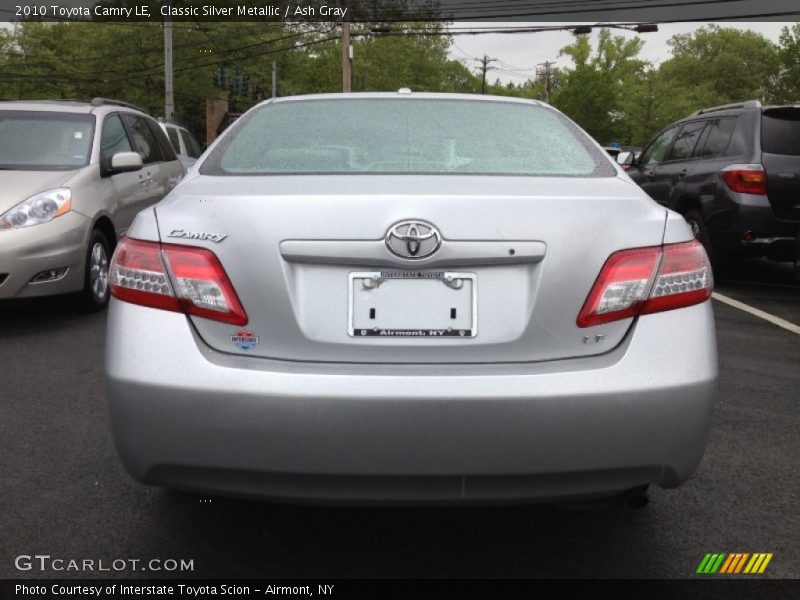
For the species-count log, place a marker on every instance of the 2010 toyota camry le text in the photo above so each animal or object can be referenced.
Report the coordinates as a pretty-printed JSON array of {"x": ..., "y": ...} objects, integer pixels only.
[{"x": 409, "y": 297}]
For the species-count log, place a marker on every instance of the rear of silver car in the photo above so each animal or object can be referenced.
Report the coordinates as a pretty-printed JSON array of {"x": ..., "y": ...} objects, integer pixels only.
[{"x": 450, "y": 317}]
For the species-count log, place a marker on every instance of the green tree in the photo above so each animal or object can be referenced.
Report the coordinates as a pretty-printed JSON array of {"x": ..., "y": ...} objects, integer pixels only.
[
  {"x": 595, "y": 91},
  {"x": 717, "y": 65},
  {"x": 788, "y": 83}
]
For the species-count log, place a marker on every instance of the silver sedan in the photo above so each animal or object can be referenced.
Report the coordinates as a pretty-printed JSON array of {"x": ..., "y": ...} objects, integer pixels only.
[{"x": 410, "y": 298}]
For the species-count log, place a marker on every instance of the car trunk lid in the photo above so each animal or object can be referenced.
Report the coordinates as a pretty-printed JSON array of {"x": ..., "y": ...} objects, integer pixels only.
[{"x": 300, "y": 251}]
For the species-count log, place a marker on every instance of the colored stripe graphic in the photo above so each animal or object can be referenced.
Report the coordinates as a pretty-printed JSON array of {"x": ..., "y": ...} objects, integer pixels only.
[
  {"x": 723, "y": 563},
  {"x": 741, "y": 562},
  {"x": 711, "y": 562},
  {"x": 753, "y": 563},
  {"x": 703, "y": 563},
  {"x": 728, "y": 564},
  {"x": 765, "y": 563},
  {"x": 718, "y": 564}
]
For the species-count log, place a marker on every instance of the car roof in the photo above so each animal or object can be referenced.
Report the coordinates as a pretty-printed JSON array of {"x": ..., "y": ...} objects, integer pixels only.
[
  {"x": 728, "y": 109},
  {"x": 67, "y": 106},
  {"x": 405, "y": 95},
  {"x": 71, "y": 106}
]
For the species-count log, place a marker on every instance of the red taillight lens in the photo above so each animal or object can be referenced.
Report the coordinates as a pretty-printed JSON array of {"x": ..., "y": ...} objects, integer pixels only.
[
  {"x": 648, "y": 280},
  {"x": 137, "y": 275},
  {"x": 685, "y": 278},
  {"x": 621, "y": 287},
  {"x": 746, "y": 179},
  {"x": 178, "y": 278}
]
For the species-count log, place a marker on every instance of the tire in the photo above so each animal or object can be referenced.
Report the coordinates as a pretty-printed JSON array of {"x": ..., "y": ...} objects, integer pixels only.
[
  {"x": 95, "y": 293},
  {"x": 695, "y": 220}
]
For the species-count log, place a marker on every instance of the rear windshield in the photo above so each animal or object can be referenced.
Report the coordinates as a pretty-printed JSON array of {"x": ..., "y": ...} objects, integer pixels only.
[
  {"x": 405, "y": 136},
  {"x": 41, "y": 141},
  {"x": 780, "y": 131}
]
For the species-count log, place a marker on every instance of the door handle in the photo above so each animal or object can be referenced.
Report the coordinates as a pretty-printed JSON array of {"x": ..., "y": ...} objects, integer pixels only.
[
  {"x": 682, "y": 174},
  {"x": 650, "y": 174}
]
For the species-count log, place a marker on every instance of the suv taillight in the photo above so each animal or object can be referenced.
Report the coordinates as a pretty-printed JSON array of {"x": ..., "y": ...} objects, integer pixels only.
[
  {"x": 745, "y": 179},
  {"x": 172, "y": 277},
  {"x": 648, "y": 280}
]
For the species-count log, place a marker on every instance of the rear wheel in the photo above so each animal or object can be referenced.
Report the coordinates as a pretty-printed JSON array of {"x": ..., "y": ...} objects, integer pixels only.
[
  {"x": 700, "y": 232},
  {"x": 94, "y": 295}
]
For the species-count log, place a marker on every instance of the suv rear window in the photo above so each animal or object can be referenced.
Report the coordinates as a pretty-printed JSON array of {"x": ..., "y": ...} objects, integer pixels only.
[
  {"x": 406, "y": 136},
  {"x": 780, "y": 131}
]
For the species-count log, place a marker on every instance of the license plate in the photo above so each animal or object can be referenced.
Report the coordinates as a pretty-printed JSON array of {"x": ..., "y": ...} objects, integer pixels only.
[{"x": 412, "y": 304}]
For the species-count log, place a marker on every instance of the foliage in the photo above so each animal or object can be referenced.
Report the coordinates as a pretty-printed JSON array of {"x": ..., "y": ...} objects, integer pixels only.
[
  {"x": 607, "y": 89},
  {"x": 787, "y": 88},
  {"x": 616, "y": 96},
  {"x": 596, "y": 91}
]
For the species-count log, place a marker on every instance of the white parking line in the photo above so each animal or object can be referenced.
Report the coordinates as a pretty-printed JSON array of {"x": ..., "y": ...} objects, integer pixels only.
[{"x": 758, "y": 313}]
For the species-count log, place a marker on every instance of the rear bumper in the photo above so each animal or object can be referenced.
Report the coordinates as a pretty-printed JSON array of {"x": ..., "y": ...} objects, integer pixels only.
[
  {"x": 753, "y": 215},
  {"x": 188, "y": 417},
  {"x": 59, "y": 244}
]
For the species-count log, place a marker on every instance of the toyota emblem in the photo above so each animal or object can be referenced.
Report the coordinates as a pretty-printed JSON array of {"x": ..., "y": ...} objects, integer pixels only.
[{"x": 413, "y": 240}]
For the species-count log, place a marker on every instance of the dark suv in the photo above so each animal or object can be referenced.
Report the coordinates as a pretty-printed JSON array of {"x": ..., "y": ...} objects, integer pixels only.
[{"x": 733, "y": 172}]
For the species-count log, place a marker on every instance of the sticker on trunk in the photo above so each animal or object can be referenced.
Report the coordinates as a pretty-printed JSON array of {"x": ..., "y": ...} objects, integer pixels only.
[{"x": 245, "y": 340}]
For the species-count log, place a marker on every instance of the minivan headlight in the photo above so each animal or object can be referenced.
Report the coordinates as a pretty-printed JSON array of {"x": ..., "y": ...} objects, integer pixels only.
[{"x": 40, "y": 208}]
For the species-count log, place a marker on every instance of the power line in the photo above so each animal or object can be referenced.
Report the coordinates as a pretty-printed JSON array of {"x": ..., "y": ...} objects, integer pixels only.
[
  {"x": 139, "y": 52},
  {"x": 159, "y": 66},
  {"x": 149, "y": 70}
]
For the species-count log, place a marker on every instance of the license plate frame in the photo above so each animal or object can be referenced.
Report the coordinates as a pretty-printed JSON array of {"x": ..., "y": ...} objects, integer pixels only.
[{"x": 444, "y": 277}]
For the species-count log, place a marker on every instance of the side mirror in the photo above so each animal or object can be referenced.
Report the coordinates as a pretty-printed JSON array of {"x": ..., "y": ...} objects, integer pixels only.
[
  {"x": 124, "y": 162},
  {"x": 626, "y": 159}
]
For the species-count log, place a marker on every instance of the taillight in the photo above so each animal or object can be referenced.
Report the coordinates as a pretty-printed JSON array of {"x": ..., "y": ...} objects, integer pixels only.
[
  {"x": 746, "y": 179},
  {"x": 178, "y": 278},
  {"x": 648, "y": 280}
]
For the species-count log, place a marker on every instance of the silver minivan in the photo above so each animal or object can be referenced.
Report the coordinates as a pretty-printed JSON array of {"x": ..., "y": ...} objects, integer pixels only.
[{"x": 74, "y": 175}]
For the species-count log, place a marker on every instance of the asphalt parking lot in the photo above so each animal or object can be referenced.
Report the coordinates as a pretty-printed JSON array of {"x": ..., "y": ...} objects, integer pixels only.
[{"x": 64, "y": 493}]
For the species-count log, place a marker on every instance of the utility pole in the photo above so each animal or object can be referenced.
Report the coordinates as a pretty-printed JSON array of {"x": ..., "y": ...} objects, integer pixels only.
[
  {"x": 544, "y": 71},
  {"x": 347, "y": 54},
  {"x": 274, "y": 79},
  {"x": 169, "y": 93},
  {"x": 485, "y": 61}
]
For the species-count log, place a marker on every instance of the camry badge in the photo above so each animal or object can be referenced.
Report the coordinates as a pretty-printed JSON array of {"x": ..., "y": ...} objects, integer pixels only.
[
  {"x": 197, "y": 235},
  {"x": 413, "y": 240}
]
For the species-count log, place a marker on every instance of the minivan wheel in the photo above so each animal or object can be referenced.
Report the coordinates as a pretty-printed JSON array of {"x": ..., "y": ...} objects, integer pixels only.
[{"x": 95, "y": 293}]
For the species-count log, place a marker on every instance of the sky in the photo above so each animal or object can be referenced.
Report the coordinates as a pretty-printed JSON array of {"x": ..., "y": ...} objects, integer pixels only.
[{"x": 521, "y": 52}]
